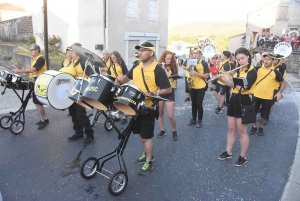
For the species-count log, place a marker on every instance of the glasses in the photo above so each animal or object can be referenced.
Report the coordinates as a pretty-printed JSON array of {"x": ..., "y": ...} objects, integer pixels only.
[
  {"x": 143, "y": 50},
  {"x": 31, "y": 50}
]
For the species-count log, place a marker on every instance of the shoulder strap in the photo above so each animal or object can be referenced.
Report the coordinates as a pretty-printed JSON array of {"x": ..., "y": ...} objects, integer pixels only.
[
  {"x": 115, "y": 71},
  {"x": 264, "y": 77},
  {"x": 144, "y": 80}
]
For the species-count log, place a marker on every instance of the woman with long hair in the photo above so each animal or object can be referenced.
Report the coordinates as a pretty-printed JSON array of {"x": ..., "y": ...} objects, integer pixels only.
[
  {"x": 240, "y": 96},
  {"x": 168, "y": 61}
]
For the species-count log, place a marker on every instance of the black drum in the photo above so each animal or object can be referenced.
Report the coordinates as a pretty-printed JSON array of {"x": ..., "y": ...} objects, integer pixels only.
[
  {"x": 129, "y": 98},
  {"x": 101, "y": 92},
  {"x": 77, "y": 92},
  {"x": 16, "y": 80},
  {"x": 6, "y": 77}
]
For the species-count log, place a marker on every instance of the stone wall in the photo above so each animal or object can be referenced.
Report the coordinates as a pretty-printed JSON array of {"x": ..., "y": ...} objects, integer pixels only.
[
  {"x": 12, "y": 50},
  {"x": 19, "y": 29}
]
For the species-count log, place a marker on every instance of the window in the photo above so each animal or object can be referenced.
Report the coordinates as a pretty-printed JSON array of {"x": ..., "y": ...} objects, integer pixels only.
[
  {"x": 265, "y": 32},
  {"x": 152, "y": 10},
  {"x": 283, "y": 11},
  {"x": 131, "y": 8}
]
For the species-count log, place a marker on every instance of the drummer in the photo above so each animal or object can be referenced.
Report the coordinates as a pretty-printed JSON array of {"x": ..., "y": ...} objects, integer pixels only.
[
  {"x": 68, "y": 59},
  {"x": 158, "y": 84},
  {"x": 116, "y": 69},
  {"x": 38, "y": 66},
  {"x": 81, "y": 122}
]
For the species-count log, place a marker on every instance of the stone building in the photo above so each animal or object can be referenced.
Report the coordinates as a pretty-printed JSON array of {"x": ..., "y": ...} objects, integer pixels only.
[{"x": 19, "y": 29}]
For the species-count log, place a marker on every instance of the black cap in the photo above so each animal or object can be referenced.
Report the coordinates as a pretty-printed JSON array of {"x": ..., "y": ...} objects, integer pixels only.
[
  {"x": 271, "y": 55},
  {"x": 227, "y": 54},
  {"x": 278, "y": 56},
  {"x": 146, "y": 45}
]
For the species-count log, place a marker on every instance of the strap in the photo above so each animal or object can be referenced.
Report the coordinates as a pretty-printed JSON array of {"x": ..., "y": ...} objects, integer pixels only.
[
  {"x": 264, "y": 77},
  {"x": 145, "y": 80},
  {"x": 114, "y": 68}
]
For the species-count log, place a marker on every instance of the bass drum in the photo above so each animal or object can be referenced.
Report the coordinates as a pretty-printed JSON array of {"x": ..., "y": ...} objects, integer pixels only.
[{"x": 53, "y": 88}]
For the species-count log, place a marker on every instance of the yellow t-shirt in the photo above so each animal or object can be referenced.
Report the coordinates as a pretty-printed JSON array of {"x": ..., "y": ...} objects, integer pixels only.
[
  {"x": 170, "y": 72},
  {"x": 245, "y": 74},
  {"x": 221, "y": 67},
  {"x": 78, "y": 69},
  {"x": 38, "y": 71},
  {"x": 198, "y": 82},
  {"x": 66, "y": 62},
  {"x": 118, "y": 69}
]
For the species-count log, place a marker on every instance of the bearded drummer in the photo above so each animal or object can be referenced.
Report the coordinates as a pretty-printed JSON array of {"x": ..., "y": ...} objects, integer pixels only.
[
  {"x": 38, "y": 66},
  {"x": 81, "y": 122},
  {"x": 147, "y": 75}
]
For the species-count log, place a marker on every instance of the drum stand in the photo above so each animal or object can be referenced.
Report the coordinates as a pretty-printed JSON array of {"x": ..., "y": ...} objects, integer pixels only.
[
  {"x": 118, "y": 180},
  {"x": 14, "y": 122}
]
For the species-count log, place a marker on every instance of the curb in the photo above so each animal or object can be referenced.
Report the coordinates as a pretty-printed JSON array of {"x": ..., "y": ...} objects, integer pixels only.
[{"x": 291, "y": 189}]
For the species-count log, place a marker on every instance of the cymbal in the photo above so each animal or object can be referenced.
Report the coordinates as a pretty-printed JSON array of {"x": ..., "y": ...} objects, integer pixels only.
[
  {"x": 87, "y": 54},
  {"x": 158, "y": 98},
  {"x": 176, "y": 76}
]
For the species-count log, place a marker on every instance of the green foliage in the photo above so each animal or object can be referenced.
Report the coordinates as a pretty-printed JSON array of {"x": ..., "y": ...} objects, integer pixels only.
[
  {"x": 31, "y": 40},
  {"x": 54, "y": 43},
  {"x": 7, "y": 57}
]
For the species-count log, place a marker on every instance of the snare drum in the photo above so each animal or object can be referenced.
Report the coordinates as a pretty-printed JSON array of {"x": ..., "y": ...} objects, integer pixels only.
[
  {"x": 77, "y": 92},
  {"x": 100, "y": 93},
  {"x": 6, "y": 77},
  {"x": 16, "y": 80},
  {"x": 53, "y": 88},
  {"x": 129, "y": 98}
]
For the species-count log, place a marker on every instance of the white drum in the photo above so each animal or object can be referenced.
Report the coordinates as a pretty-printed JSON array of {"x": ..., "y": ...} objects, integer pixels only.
[{"x": 53, "y": 88}]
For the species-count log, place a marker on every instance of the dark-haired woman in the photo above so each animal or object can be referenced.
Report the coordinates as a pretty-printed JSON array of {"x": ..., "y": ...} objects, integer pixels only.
[
  {"x": 169, "y": 63},
  {"x": 118, "y": 68},
  {"x": 242, "y": 56}
]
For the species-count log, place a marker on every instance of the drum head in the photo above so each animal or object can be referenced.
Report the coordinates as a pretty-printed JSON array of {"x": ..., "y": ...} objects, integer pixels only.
[
  {"x": 82, "y": 103},
  {"x": 95, "y": 103},
  {"x": 124, "y": 108}
]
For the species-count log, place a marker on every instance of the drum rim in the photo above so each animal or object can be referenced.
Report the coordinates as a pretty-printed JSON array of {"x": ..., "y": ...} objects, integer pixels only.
[
  {"x": 107, "y": 79},
  {"x": 80, "y": 78},
  {"x": 133, "y": 86}
]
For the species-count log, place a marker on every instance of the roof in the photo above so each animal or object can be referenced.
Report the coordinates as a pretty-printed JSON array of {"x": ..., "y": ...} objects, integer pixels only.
[
  {"x": 237, "y": 35},
  {"x": 8, "y": 6}
]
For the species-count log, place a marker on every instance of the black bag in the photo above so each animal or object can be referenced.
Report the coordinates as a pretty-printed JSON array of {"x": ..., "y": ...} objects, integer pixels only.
[{"x": 248, "y": 114}]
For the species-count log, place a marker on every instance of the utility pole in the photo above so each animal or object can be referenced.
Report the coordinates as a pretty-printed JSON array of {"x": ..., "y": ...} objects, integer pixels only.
[{"x": 46, "y": 33}]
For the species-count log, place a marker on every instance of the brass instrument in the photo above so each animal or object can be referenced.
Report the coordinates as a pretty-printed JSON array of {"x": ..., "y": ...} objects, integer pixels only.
[
  {"x": 252, "y": 42},
  {"x": 190, "y": 78},
  {"x": 220, "y": 75}
]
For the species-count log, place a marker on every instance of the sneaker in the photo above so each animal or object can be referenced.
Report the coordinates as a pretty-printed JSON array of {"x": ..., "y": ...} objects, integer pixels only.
[
  {"x": 147, "y": 167},
  {"x": 260, "y": 131},
  {"x": 241, "y": 161},
  {"x": 219, "y": 111},
  {"x": 175, "y": 136},
  {"x": 42, "y": 125},
  {"x": 142, "y": 159},
  {"x": 199, "y": 124},
  {"x": 124, "y": 121},
  {"x": 46, "y": 121},
  {"x": 252, "y": 131},
  {"x": 217, "y": 108},
  {"x": 224, "y": 156},
  {"x": 187, "y": 99},
  {"x": 161, "y": 134},
  {"x": 75, "y": 137},
  {"x": 88, "y": 140},
  {"x": 192, "y": 122}
]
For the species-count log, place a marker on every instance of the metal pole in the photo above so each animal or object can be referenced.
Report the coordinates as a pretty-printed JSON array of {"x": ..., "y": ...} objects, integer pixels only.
[{"x": 46, "y": 34}]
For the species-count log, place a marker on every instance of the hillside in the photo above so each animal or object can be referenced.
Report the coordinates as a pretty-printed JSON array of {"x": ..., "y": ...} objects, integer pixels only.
[{"x": 209, "y": 28}]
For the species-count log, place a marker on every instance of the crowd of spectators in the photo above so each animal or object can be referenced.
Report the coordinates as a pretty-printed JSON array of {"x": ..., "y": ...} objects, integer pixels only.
[{"x": 270, "y": 41}]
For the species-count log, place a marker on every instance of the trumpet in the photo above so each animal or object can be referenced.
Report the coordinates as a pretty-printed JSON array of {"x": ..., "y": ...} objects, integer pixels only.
[
  {"x": 190, "y": 79},
  {"x": 220, "y": 75}
]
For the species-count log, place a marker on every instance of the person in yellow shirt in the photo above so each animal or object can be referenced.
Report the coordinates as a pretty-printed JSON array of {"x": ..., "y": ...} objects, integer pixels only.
[
  {"x": 168, "y": 61},
  {"x": 81, "y": 122},
  {"x": 199, "y": 73},
  {"x": 157, "y": 83},
  {"x": 187, "y": 74},
  {"x": 38, "y": 66},
  {"x": 106, "y": 58},
  {"x": 220, "y": 87},
  {"x": 234, "y": 115},
  {"x": 68, "y": 59},
  {"x": 264, "y": 91}
]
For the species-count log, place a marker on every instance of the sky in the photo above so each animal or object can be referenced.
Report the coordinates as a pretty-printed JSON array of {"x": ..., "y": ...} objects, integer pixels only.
[{"x": 185, "y": 11}]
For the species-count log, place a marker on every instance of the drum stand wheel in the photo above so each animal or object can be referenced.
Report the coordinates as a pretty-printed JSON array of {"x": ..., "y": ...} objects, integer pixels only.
[
  {"x": 107, "y": 125},
  {"x": 117, "y": 183},
  {"x": 5, "y": 122},
  {"x": 17, "y": 127},
  {"x": 89, "y": 168}
]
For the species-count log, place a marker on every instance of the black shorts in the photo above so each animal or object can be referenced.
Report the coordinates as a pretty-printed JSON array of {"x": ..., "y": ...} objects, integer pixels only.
[
  {"x": 35, "y": 100},
  {"x": 265, "y": 107},
  {"x": 234, "y": 106},
  {"x": 170, "y": 96},
  {"x": 144, "y": 125},
  {"x": 187, "y": 90},
  {"x": 220, "y": 88}
]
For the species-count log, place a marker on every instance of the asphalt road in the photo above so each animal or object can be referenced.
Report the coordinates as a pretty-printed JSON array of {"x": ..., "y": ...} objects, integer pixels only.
[{"x": 43, "y": 165}]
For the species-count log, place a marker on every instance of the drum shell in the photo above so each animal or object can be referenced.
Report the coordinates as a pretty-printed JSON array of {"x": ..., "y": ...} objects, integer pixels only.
[
  {"x": 53, "y": 87},
  {"x": 16, "y": 80},
  {"x": 6, "y": 77},
  {"x": 101, "y": 92},
  {"x": 76, "y": 93},
  {"x": 128, "y": 99}
]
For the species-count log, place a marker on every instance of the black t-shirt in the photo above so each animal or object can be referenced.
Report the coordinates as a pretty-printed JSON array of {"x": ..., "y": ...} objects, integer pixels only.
[
  {"x": 281, "y": 69},
  {"x": 279, "y": 76},
  {"x": 40, "y": 62}
]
